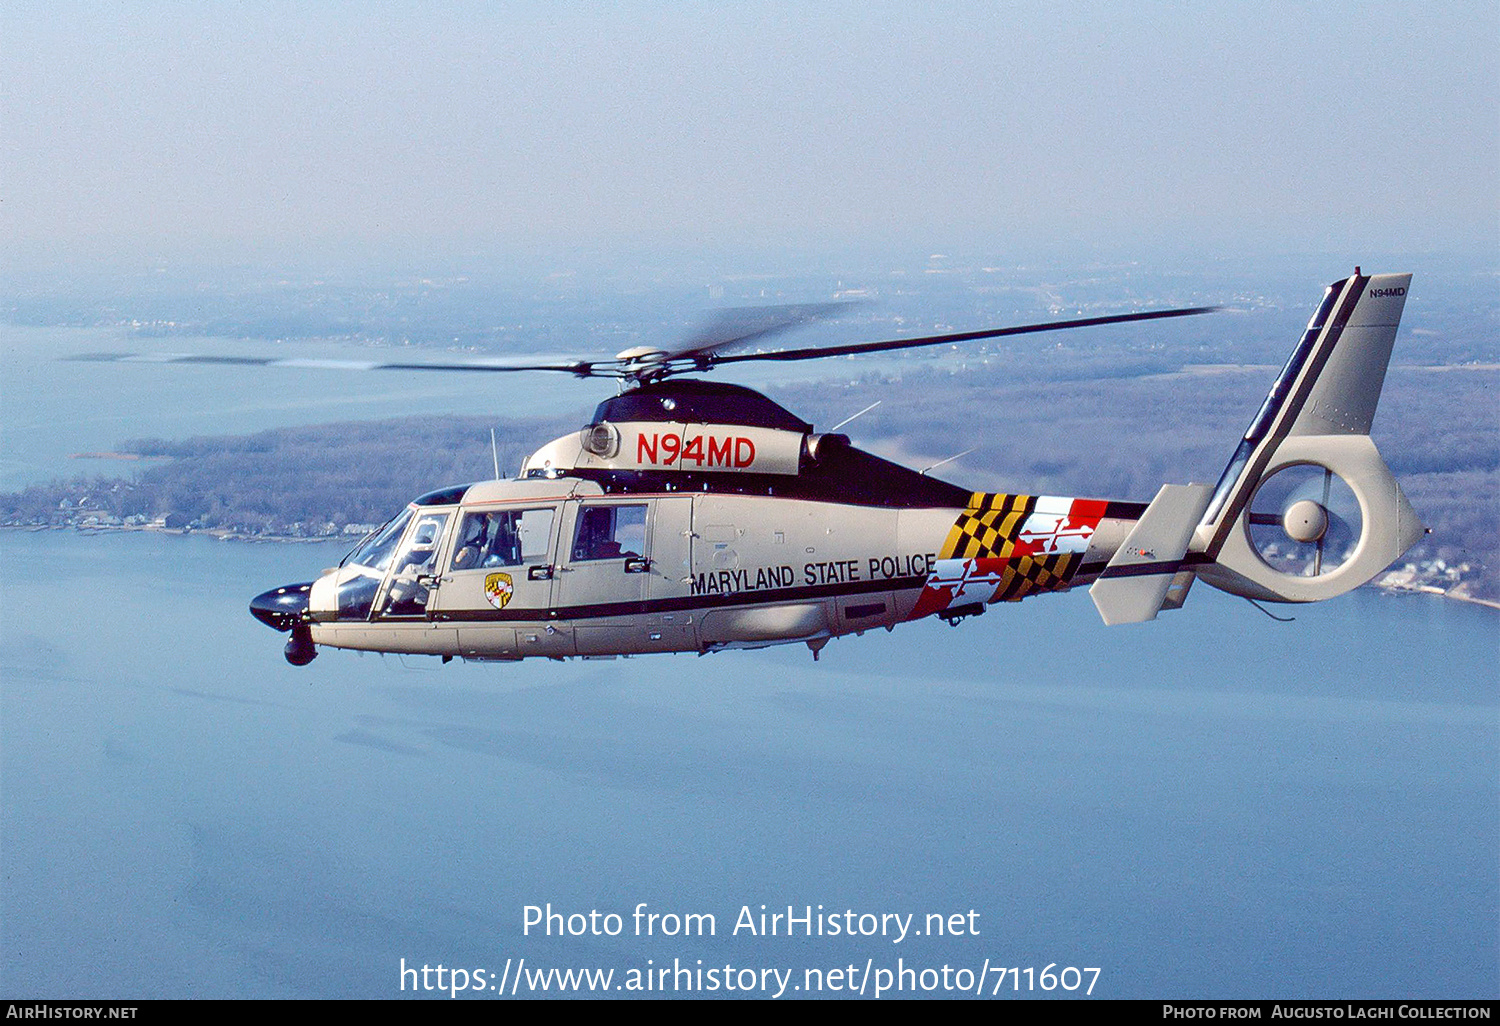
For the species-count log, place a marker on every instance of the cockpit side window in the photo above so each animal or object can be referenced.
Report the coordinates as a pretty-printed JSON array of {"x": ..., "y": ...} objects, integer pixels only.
[
  {"x": 413, "y": 567},
  {"x": 610, "y": 532},
  {"x": 419, "y": 554}
]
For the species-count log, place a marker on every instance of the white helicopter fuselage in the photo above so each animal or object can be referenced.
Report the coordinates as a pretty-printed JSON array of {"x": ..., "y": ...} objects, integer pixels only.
[
  {"x": 697, "y": 572},
  {"x": 693, "y": 516}
]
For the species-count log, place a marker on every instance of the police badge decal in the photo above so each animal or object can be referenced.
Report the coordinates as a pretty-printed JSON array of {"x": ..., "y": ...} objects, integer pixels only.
[{"x": 498, "y": 589}]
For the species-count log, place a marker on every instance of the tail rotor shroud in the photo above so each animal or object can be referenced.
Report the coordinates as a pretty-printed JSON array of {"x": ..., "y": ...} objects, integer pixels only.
[{"x": 1305, "y": 521}]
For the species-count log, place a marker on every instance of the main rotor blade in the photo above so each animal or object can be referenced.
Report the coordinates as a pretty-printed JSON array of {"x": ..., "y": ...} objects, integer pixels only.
[
  {"x": 732, "y": 329},
  {"x": 582, "y": 368},
  {"x": 737, "y": 326},
  {"x": 818, "y": 352}
]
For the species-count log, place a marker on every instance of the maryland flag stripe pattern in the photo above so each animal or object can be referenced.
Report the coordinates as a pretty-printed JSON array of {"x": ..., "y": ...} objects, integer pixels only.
[
  {"x": 988, "y": 526},
  {"x": 1004, "y": 547}
]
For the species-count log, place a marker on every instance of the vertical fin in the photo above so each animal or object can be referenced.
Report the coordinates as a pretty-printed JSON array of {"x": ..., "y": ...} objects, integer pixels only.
[{"x": 1318, "y": 413}]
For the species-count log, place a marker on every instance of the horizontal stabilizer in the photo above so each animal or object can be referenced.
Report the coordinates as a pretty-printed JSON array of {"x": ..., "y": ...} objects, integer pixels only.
[{"x": 1134, "y": 587}]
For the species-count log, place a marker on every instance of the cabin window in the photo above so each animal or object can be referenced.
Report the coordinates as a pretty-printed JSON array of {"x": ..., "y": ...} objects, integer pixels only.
[
  {"x": 610, "y": 532},
  {"x": 510, "y": 537}
]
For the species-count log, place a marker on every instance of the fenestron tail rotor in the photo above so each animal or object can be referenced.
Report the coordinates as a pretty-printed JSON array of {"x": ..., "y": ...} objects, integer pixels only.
[
  {"x": 1305, "y": 521},
  {"x": 1306, "y": 509}
]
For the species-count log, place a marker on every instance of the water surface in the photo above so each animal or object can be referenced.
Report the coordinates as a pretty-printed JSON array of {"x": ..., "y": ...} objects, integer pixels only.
[{"x": 1214, "y": 804}]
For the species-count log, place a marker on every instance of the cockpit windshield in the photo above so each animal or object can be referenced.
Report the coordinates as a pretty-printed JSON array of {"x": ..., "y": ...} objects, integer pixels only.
[{"x": 375, "y": 551}]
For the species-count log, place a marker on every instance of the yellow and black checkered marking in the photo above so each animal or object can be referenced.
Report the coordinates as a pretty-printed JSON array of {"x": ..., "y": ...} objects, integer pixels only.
[
  {"x": 1028, "y": 574},
  {"x": 988, "y": 528}
]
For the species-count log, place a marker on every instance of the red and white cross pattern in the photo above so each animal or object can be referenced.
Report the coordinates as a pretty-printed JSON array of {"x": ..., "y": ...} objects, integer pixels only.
[
  {"x": 1056, "y": 526},
  {"x": 961, "y": 582}
]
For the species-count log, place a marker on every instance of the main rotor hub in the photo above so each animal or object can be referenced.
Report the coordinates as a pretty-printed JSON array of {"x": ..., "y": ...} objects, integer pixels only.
[{"x": 641, "y": 354}]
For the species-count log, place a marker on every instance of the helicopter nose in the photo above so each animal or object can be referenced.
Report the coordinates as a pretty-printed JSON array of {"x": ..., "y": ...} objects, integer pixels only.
[{"x": 282, "y": 608}]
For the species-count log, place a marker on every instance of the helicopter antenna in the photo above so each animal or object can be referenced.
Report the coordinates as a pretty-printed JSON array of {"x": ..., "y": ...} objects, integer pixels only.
[
  {"x": 950, "y": 459},
  {"x": 1263, "y": 609},
  {"x": 495, "y": 452},
  {"x": 861, "y": 413}
]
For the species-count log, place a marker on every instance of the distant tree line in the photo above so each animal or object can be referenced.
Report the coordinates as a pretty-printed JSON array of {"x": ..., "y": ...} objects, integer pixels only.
[{"x": 265, "y": 483}]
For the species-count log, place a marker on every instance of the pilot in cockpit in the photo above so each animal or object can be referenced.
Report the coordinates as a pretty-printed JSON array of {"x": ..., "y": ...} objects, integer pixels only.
[
  {"x": 408, "y": 593},
  {"x": 488, "y": 540},
  {"x": 505, "y": 543},
  {"x": 467, "y": 555},
  {"x": 422, "y": 548}
]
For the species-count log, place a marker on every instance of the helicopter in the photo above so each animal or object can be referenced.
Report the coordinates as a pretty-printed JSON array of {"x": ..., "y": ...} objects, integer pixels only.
[{"x": 692, "y": 515}]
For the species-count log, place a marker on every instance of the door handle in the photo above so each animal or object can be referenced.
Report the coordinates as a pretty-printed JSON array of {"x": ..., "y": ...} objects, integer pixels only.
[
  {"x": 637, "y": 565},
  {"x": 539, "y": 573}
]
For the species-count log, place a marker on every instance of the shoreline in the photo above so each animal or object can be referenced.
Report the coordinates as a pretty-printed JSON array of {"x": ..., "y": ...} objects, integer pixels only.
[
  {"x": 220, "y": 533},
  {"x": 1401, "y": 589}
]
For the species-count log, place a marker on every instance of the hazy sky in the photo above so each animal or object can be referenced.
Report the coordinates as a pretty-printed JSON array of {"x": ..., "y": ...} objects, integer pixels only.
[{"x": 261, "y": 127}]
